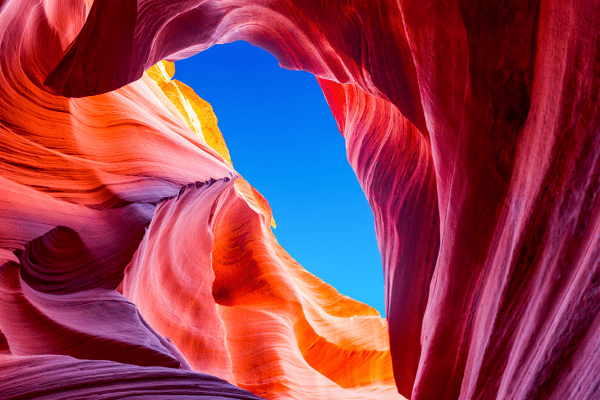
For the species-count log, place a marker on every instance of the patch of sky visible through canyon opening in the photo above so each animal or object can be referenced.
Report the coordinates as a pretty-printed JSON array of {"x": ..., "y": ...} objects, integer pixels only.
[{"x": 284, "y": 140}]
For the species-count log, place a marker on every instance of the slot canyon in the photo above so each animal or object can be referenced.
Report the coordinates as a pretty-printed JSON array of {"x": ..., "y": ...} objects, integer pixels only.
[{"x": 136, "y": 262}]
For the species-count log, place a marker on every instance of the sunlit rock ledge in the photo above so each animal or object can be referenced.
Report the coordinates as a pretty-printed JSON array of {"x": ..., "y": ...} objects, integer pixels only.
[{"x": 137, "y": 262}]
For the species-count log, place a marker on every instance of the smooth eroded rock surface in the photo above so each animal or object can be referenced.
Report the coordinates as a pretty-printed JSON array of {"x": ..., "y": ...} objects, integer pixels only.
[{"x": 472, "y": 127}]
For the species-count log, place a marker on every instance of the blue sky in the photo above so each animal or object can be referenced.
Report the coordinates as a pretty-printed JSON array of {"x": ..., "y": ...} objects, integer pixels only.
[{"x": 284, "y": 140}]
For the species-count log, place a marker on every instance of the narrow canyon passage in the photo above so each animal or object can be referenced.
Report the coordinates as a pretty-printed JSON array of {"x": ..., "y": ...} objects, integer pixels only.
[
  {"x": 136, "y": 261},
  {"x": 283, "y": 139}
]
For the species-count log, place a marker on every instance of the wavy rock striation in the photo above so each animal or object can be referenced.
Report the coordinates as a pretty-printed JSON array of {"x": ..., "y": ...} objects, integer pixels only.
[
  {"x": 88, "y": 379},
  {"x": 471, "y": 126},
  {"x": 125, "y": 236}
]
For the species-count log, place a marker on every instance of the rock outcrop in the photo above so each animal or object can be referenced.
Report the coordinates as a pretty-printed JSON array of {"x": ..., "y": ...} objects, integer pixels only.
[
  {"x": 132, "y": 248},
  {"x": 471, "y": 126}
]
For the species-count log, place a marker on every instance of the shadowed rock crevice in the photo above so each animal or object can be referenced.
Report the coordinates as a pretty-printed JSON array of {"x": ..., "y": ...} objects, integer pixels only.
[{"x": 472, "y": 128}]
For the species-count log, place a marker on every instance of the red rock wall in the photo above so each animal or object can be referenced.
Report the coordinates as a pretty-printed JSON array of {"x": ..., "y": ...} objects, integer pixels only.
[
  {"x": 131, "y": 247},
  {"x": 472, "y": 128}
]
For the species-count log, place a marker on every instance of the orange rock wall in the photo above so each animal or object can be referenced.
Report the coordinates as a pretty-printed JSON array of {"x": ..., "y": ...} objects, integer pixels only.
[
  {"x": 131, "y": 244},
  {"x": 472, "y": 127}
]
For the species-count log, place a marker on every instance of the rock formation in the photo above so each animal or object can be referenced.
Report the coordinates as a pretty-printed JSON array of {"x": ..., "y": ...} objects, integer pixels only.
[{"x": 132, "y": 249}]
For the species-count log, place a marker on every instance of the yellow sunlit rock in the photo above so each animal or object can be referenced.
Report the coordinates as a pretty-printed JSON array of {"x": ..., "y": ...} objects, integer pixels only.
[{"x": 196, "y": 112}]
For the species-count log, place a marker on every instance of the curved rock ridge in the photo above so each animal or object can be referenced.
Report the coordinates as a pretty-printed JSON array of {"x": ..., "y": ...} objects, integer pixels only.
[
  {"x": 393, "y": 163},
  {"x": 337, "y": 42},
  {"x": 90, "y": 324},
  {"x": 170, "y": 278},
  {"x": 326, "y": 338},
  {"x": 300, "y": 329},
  {"x": 122, "y": 223},
  {"x": 472, "y": 127},
  {"x": 103, "y": 380},
  {"x": 196, "y": 112}
]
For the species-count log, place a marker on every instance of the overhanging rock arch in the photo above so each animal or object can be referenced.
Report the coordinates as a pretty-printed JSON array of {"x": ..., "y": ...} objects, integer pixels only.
[{"x": 472, "y": 128}]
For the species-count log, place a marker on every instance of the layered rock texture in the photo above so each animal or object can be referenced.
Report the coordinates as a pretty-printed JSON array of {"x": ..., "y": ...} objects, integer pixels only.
[{"x": 137, "y": 262}]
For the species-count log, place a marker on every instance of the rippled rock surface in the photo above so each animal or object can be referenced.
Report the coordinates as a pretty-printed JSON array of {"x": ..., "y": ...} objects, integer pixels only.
[{"x": 131, "y": 247}]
